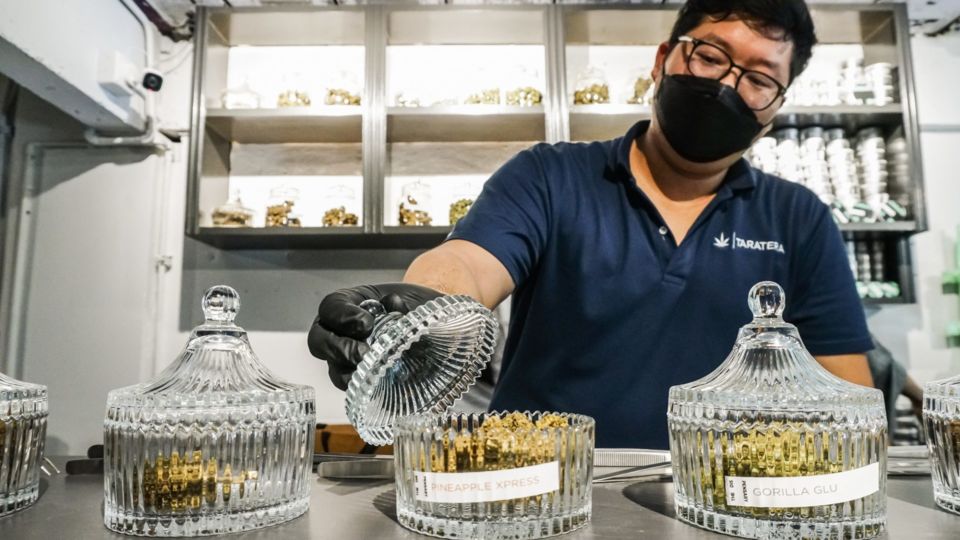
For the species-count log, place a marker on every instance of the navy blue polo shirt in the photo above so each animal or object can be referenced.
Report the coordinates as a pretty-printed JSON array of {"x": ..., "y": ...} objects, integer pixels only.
[{"x": 609, "y": 312}]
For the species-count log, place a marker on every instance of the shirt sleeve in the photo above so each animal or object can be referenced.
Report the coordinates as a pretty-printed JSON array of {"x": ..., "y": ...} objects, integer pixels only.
[
  {"x": 823, "y": 302},
  {"x": 511, "y": 216}
]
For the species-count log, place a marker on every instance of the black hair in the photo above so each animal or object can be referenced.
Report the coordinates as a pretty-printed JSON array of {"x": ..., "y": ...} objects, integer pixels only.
[{"x": 786, "y": 20}]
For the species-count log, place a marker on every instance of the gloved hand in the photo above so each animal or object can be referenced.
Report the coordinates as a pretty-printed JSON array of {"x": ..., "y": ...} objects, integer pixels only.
[{"x": 338, "y": 334}]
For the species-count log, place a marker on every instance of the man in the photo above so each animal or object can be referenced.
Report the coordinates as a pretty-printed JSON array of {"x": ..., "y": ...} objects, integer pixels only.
[{"x": 629, "y": 260}]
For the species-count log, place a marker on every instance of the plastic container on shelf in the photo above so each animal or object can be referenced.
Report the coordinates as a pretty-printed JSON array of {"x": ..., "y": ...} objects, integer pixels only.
[
  {"x": 771, "y": 445},
  {"x": 23, "y": 432},
  {"x": 215, "y": 444}
]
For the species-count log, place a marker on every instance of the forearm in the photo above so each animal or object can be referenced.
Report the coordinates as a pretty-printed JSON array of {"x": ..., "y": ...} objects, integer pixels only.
[
  {"x": 444, "y": 271},
  {"x": 459, "y": 267},
  {"x": 849, "y": 367}
]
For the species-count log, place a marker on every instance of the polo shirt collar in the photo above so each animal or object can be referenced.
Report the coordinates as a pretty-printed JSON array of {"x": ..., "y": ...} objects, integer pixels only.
[{"x": 741, "y": 176}]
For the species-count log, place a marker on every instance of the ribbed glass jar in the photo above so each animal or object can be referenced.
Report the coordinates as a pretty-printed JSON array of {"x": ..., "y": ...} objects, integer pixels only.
[
  {"x": 215, "y": 444},
  {"x": 419, "y": 362},
  {"x": 941, "y": 425},
  {"x": 494, "y": 476},
  {"x": 771, "y": 445},
  {"x": 23, "y": 431}
]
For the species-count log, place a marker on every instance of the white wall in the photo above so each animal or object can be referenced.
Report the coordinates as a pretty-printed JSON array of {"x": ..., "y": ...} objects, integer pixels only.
[
  {"x": 915, "y": 333},
  {"x": 53, "y": 47}
]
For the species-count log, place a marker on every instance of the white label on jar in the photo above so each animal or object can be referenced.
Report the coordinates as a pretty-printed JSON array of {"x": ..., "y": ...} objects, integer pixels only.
[
  {"x": 799, "y": 491},
  {"x": 470, "y": 487}
]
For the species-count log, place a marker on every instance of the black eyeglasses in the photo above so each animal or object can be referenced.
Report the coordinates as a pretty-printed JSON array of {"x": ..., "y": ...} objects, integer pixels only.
[{"x": 758, "y": 90}]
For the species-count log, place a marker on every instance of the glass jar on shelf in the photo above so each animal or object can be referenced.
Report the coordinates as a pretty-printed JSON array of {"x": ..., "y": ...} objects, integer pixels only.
[
  {"x": 523, "y": 88},
  {"x": 214, "y": 444},
  {"x": 241, "y": 97},
  {"x": 280, "y": 205},
  {"x": 485, "y": 89},
  {"x": 344, "y": 90},
  {"x": 642, "y": 89},
  {"x": 341, "y": 201},
  {"x": 941, "y": 425},
  {"x": 415, "y": 199},
  {"x": 591, "y": 87},
  {"x": 462, "y": 199},
  {"x": 294, "y": 93},
  {"x": 232, "y": 213},
  {"x": 771, "y": 445},
  {"x": 23, "y": 432}
]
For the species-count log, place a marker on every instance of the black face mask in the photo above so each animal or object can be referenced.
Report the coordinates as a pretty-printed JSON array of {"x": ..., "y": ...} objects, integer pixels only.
[{"x": 704, "y": 120}]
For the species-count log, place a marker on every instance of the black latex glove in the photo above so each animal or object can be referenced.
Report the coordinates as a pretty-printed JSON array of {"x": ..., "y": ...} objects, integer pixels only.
[{"x": 338, "y": 334}]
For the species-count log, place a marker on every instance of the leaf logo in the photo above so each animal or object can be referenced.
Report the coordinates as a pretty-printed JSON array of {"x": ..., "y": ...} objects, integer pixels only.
[{"x": 721, "y": 241}]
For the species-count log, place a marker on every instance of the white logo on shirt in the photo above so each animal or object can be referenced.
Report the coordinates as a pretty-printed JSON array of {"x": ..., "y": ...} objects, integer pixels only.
[
  {"x": 721, "y": 241},
  {"x": 739, "y": 243}
]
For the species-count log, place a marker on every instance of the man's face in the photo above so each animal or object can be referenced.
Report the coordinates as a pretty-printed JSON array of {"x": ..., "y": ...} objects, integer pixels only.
[{"x": 747, "y": 47}]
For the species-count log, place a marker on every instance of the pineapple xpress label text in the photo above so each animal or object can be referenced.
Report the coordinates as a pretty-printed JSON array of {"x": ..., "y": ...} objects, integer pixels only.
[
  {"x": 470, "y": 487},
  {"x": 799, "y": 491}
]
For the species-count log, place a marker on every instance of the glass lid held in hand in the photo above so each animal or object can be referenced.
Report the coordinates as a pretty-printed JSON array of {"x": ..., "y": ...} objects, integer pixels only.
[{"x": 418, "y": 363}]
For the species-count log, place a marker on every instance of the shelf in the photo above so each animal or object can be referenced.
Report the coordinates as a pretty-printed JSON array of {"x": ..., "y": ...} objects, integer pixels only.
[
  {"x": 321, "y": 124},
  {"x": 849, "y": 117},
  {"x": 884, "y": 301},
  {"x": 600, "y": 122},
  {"x": 465, "y": 123},
  {"x": 319, "y": 237},
  {"x": 896, "y": 226}
]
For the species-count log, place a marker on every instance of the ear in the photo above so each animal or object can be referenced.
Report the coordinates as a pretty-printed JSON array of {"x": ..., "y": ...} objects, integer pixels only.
[{"x": 662, "y": 52}]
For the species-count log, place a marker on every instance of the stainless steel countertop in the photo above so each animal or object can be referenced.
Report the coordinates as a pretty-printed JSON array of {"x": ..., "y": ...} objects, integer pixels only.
[{"x": 71, "y": 508}]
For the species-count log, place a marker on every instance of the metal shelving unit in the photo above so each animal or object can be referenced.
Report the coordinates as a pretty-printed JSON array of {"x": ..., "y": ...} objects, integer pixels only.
[{"x": 378, "y": 141}]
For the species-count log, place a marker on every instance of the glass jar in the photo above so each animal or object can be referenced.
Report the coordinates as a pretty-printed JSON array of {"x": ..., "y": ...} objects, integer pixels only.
[
  {"x": 591, "y": 87},
  {"x": 232, "y": 213},
  {"x": 215, "y": 444},
  {"x": 240, "y": 97},
  {"x": 418, "y": 363},
  {"x": 280, "y": 207},
  {"x": 342, "y": 202},
  {"x": 522, "y": 88},
  {"x": 344, "y": 90},
  {"x": 641, "y": 92},
  {"x": 941, "y": 425},
  {"x": 294, "y": 93},
  {"x": 451, "y": 471},
  {"x": 462, "y": 200},
  {"x": 771, "y": 445},
  {"x": 23, "y": 432},
  {"x": 415, "y": 199}
]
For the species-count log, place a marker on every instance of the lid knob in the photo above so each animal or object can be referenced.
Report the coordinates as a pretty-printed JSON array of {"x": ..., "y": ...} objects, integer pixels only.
[
  {"x": 221, "y": 303},
  {"x": 373, "y": 307},
  {"x": 766, "y": 299}
]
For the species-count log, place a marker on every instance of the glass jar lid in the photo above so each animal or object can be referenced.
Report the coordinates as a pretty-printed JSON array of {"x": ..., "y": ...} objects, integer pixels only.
[
  {"x": 418, "y": 363},
  {"x": 217, "y": 367},
  {"x": 769, "y": 369},
  {"x": 15, "y": 394}
]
